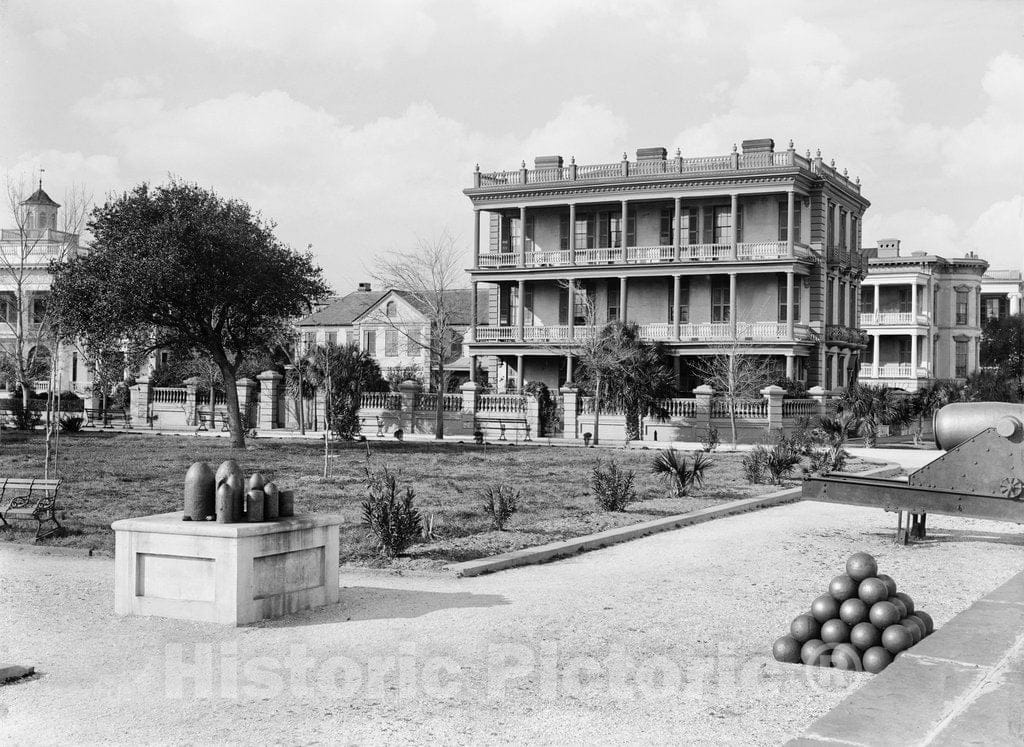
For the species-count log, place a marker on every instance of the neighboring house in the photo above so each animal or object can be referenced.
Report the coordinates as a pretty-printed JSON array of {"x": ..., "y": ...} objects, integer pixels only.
[
  {"x": 390, "y": 325},
  {"x": 26, "y": 255},
  {"x": 756, "y": 251},
  {"x": 923, "y": 314},
  {"x": 1001, "y": 293}
]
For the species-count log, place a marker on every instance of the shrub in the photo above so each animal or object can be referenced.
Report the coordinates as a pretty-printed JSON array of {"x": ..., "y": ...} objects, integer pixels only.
[
  {"x": 710, "y": 440},
  {"x": 71, "y": 424},
  {"x": 831, "y": 459},
  {"x": 399, "y": 434},
  {"x": 802, "y": 437},
  {"x": 392, "y": 518},
  {"x": 478, "y": 437},
  {"x": 780, "y": 461},
  {"x": 500, "y": 503},
  {"x": 613, "y": 487},
  {"x": 548, "y": 409},
  {"x": 681, "y": 476},
  {"x": 25, "y": 420},
  {"x": 754, "y": 464},
  {"x": 586, "y": 438}
]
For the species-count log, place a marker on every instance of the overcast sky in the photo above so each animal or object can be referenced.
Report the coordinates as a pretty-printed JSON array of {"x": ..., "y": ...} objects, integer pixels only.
[{"x": 356, "y": 125}]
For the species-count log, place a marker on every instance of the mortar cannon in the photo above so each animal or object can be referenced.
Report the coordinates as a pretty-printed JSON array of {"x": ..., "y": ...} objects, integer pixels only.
[{"x": 981, "y": 475}]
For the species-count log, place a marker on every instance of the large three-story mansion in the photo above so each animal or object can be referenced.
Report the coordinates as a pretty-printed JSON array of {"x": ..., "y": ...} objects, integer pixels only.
[{"x": 757, "y": 251}]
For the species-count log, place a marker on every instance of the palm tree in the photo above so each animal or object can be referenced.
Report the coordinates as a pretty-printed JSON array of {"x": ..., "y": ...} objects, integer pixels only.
[
  {"x": 930, "y": 399},
  {"x": 872, "y": 407},
  {"x": 641, "y": 377},
  {"x": 671, "y": 464}
]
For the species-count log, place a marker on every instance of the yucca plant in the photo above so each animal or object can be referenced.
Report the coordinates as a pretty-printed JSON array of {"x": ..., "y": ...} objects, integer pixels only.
[
  {"x": 680, "y": 475},
  {"x": 391, "y": 516}
]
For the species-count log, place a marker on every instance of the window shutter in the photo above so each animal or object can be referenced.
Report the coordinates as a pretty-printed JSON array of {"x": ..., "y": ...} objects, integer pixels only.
[
  {"x": 692, "y": 221},
  {"x": 665, "y": 234},
  {"x": 783, "y": 221},
  {"x": 563, "y": 232},
  {"x": 709, "y": 225},
  {"x": 563, "y": 307}
]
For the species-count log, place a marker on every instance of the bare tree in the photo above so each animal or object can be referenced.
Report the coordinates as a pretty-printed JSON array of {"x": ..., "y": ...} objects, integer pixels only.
[
  {"x": 28, "y": 250},
  {"x": 427, "y": 277},
  {"x": 735, "y": 375}
]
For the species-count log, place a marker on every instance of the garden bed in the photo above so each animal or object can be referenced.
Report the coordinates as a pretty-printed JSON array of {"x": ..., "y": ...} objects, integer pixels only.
[{"x": 114, "y": 476}]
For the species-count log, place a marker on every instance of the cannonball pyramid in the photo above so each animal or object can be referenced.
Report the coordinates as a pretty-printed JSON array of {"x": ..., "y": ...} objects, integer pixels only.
[{"x": 861, "y": 624}]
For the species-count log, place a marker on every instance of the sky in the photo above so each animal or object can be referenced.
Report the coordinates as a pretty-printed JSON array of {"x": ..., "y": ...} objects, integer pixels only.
[{"x": 355, "y": 126}]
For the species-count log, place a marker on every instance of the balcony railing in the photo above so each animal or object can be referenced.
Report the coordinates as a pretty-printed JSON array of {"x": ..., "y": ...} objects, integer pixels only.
[
  {"x": 745, "y": 251},
  {"x": 893, "y": 318},
  {"x": 895, "y": 371},
  {"x": 765, "y": 331}
]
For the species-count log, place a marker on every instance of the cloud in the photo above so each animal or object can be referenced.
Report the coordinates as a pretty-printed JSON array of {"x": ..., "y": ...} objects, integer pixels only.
[
  {"x": 364, "y": 33},
  {"x": 51, "y": 38},
  {"x": 998, "y": 234},
  {"x": 535, "y": 20},
  {"x": 919, "y": 229}
]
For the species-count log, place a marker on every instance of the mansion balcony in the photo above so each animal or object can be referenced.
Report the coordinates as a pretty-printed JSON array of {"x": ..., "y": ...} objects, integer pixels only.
[
  {"x": 895, "y": 319},
  {"x": 745, "y": 252},
  {"x": 895, "y": 375},
  {"x": 717, "y": 332}
]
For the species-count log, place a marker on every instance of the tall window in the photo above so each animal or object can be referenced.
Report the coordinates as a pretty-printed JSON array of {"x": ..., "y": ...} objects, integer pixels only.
[
  {"x": 510, "y": 229},
  {"x": 370, "y": 342},
  {"x": 903, "y": 300},
  {"x": 613, "y": 302},
  {"x": 563, "y": 232},
  {"x": 38, "y": 310},
  {"x": 391, "y": 309},
  {"x": 583, "y": 299},
  {"x": 853, "y": 232},
  {"x": 631, "y": 230},
  {"x": 665, "y": 232},
  {"x": 784, "y": 221},
  {"x": 390, "y": 343},
  {"x": 782, "y": 299},
  {"x": 842, "y": 229},
  {"x": 528, "y": 304},
  {"x": 991, "y": 308},
  {"x": 830, "y": 227},
  {"x": 720, "y": 301},
  {"x": 684, "y": 302},
  {"x": 961, "y": 359},
  {"x": 690, "y": 230},
  {"x": 585, "y": 232},
  {"x": 412, "y": 345},
  {"x": 531, "y": 226},
  {"x": 962, "y": 305},
  {"x": 739, "y": 223},
  {"x": 8, "y": 308},
  {"x": 331, "y": 339},
  {"x": 904, "y": 350}
]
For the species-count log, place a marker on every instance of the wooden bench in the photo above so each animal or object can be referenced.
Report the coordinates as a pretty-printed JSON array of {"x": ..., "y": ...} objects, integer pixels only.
[
  {"x": 207, "y": 420},
  {"x": 518, "y": 429},
  {"x": 107, "y": 417},
  {"x": 28, "y": 498}
]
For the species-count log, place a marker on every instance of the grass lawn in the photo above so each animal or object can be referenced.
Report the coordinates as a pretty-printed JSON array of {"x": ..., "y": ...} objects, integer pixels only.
[{"x": 109, "y": 476}]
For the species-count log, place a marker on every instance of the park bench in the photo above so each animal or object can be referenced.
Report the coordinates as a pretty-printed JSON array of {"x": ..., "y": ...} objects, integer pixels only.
[
  {"x": 32, "y": 499},
  {"x": 106, "y": 418},
  {"x": 207, "y": 420},
  {"x": 519, "y": 430}
]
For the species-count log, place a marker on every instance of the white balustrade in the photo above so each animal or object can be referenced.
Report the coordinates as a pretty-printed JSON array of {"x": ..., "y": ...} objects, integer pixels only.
[
  {"x": 762, "y": 250},
  {"x": 650, "y": 254},
  {"x": 498, "y": 259},
  {"x": 598, "y": 256},
  {"x": 547, "y": 258},
  {"x": 656, "y": 331},
  {"x": 706, "y": 252}
]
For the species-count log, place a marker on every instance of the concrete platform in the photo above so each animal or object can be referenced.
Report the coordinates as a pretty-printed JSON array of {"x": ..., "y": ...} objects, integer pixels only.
[
  {"x": 231, "y": 574},
  {"x": 964, "y": 684}
]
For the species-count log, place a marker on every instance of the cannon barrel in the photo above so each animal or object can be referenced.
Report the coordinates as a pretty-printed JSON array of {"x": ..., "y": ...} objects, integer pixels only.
[{"x": 955, "y": 423}]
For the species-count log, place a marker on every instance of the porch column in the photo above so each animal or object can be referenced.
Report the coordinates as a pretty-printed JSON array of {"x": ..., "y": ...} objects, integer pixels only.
[
  {"x": 790, "y": 365},
  {"x": 834, "y": 378},
  {"x": 913, "y": 302},
  {"x": 473, "y": 313},
  {"x": 569, "y": 317},
  {"x": 875, "y": 309},
  {"x": 622, "y": 298},
  {"x": 476, "y": 238},
  {"x": 734, "y": 204},
  {"x": 732, "y": 302},
  {"x": 874, "y": 359},
  {"x": 845, "y": 375},
  {"x": 847, "y": 311},
  {"x": 790, "y": 215},
  {"x": 568, "y": 368},
  {"x": 572, "y": 233},
  {"x": 520, "y": 310},
  {"x": 913, "y": 354},
  {"x": 472, "y": 368},
  {"x": 522, "y": 236},
  {"x": 676, "y": 298},
  {"x": 678, "y": 218},
  {"x": 836, "y": 289},
  {"x": 1014, "y": 303},
  {"x": 519, "y": 373},
  {"x": 622, "y": 234},
  {"x": 790, "y": 317}
]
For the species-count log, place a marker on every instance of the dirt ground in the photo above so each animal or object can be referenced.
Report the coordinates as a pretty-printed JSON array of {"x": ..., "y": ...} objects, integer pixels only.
[{"x": 664, "y": 639}]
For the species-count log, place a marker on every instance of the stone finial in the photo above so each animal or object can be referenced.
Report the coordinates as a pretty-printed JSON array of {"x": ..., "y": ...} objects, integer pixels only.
[
  {"x": 791, "y": 144},
  {"x": 734, "y": 147},
  {"x": 679, "y": 152},
  {"x": 857, "y": 180},
  {"x": 522, "y": 165},
  {"x": 833, "y": 163},
  {"x": 477, "y": 167},
  {"x": 845, "y": 173},
  {"x": 808, "y": 152},
  {"x": 624, "y": 156},
  {"x": 817, "y": 153},
  {"x": 572, "y": 160}
]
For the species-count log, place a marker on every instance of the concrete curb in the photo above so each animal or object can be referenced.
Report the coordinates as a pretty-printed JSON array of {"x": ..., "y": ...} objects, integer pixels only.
[{"x": 566, "y": 548}]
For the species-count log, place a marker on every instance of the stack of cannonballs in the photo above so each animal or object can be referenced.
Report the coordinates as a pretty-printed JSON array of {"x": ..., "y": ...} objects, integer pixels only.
[
  {"x": 225, "y": 496},
  {"x": 861, "y": 624}
]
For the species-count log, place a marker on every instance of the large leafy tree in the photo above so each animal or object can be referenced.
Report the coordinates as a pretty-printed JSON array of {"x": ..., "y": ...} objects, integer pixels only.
[
  {"x": 1002, "y": 347},
  {"x": 641, "y": 378},
  {"x": 180, "y": 267}
]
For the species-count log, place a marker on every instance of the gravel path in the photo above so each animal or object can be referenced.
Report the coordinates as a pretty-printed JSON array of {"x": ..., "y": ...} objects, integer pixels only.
[{"x": 662, "y": 639}]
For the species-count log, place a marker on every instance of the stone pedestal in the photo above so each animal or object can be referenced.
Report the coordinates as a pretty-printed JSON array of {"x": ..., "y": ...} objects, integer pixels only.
[{"x": 231, "y": 574}]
